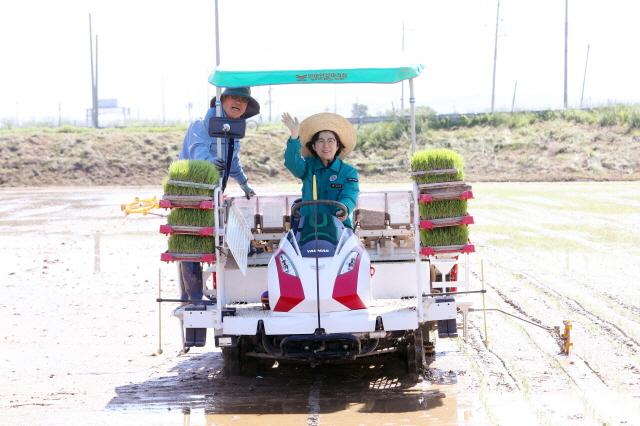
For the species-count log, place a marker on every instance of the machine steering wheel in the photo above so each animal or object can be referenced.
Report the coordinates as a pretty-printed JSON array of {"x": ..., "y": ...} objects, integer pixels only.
[{"x": 297, "y": 206}]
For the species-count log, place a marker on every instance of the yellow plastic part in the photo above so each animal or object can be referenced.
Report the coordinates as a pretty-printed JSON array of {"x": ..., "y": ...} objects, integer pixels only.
[
  {"x": 140, "y": 206},
  {"x": 315, "y": 189},
  {"x": 566, "y": 338}
]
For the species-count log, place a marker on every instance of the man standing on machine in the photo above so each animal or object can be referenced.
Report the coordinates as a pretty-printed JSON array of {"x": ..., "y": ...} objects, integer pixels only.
[{"x": 237, "y": 103}]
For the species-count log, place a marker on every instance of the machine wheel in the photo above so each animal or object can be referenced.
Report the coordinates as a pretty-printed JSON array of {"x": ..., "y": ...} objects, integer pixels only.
[
  {"x": 429, "y": 337},
  {"x": 237, "y": 363},
  {"x": 415, "y": 353},
  {"x": 231, "y": 358}
]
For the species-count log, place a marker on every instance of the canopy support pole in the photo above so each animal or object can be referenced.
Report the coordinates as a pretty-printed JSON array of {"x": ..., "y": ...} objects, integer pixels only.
[
  {"x": 217, "y": 194},
  {"x": 218, "y": 89},
  {"x": 412, "y": 104}
]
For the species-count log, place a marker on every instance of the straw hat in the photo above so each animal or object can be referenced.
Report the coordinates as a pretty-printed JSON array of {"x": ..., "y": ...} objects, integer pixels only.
[{"x": 328, "y": 121}]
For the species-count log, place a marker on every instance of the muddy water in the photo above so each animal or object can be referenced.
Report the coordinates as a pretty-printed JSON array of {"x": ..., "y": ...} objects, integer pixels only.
[
  {"x": 332, "y": 396},
  {"x": 376, "y": 392}
]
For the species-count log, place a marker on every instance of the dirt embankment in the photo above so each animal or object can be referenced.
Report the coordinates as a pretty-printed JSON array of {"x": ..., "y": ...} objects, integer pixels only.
[{"x": 548, "y": 151}]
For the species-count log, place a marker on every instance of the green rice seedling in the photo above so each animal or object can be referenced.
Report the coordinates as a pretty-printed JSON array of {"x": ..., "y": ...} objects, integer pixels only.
[
  {"x": 179, "y": 243},
  {"x": 447, "y": 236},
  {"x": 437, "y": 159},
  {"x": 443, "y": 208},
  {"x": 190, "y": 217},
  {"x": 196, "y": 171}
]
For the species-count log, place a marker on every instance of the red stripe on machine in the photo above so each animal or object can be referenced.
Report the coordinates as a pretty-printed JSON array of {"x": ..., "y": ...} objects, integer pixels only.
[
  {"x": 291, "y": 292},
  {"x": 345, "y": 289}
]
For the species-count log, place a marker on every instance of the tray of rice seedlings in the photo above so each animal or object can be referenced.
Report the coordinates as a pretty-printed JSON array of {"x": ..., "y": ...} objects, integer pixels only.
[
  {"x": 437, "y": 168},
  {"x": 447, "y": 221},
  {"x": 439, "y": 174},
  {"x": 188, "y": 257},
  {"x": 448, "y": 239},
  {"x": 191, "y": 242},
  {"x": 190, "y": 247},
  {"x": 190, "y": 185},
  {"x": 429, "y": 193},
  {"x": 449, "y": 236},
  {"x": 189, "y": 222}
]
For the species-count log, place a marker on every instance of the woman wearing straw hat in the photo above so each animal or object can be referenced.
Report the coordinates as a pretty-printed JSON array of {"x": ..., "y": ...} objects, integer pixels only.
[{"x": 317, "y": 147}]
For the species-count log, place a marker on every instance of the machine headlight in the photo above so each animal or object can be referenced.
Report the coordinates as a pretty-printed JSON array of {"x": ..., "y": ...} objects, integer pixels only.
[
  {"x": 349, "y": 263},
  {"x": 286, "y": 265}
]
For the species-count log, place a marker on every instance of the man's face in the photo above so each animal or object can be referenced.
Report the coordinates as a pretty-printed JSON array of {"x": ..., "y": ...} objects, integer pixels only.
[{"x": 234, "y": 106}]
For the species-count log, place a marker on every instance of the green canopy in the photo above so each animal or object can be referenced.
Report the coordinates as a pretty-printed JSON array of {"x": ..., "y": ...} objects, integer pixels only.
[{"x": 223, "y": 77}]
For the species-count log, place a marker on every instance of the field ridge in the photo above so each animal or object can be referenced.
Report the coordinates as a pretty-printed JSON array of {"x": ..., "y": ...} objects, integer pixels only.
[{"x": 555, "y": 150}]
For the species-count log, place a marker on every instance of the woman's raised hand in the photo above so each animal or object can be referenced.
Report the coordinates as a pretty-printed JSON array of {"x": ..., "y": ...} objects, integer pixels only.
[{"x": 292, "y": 124}]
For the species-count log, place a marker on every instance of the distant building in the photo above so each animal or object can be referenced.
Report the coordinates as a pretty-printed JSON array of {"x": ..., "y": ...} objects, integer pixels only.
[{"x": 109, "y": 113}]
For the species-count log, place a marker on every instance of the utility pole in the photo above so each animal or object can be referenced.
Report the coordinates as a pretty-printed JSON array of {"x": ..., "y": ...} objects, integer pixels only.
[
  {"x": 566, "y": 47},
  {"x": 95, "y": 96},
  {"x": 59, "y": 114},
  {"x": 495, "y": 59},
  {"x": 584, "y": 78},
  {"x": 513, "y": 100},
  {"x": 94, "y": 78}
]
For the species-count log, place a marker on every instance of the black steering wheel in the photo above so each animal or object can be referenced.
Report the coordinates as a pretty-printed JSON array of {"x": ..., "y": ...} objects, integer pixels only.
[{"x": 297, "y": 206}]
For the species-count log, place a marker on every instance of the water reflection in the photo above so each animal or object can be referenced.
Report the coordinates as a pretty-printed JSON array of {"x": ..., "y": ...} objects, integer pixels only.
[{"x": 198, "y": 383}]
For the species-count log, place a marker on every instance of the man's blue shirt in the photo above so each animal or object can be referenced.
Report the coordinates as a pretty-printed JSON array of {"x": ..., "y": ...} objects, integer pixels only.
[{"x": 198, "y": 145}]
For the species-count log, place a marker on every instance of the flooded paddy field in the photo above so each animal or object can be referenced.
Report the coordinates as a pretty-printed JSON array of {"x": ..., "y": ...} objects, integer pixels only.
[{"x": 79, "y": 320}]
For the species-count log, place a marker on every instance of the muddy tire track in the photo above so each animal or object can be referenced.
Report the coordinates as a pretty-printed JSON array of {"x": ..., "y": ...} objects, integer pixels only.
[
  {"x": 553, "y": 334},
  {"x": 606, "y": 395},
  {"x": 578, "y": 373},
  {"x": 481, "y": 350},
  {"x": 616, "y": 301},
  {"x": 612, "y": 330}
]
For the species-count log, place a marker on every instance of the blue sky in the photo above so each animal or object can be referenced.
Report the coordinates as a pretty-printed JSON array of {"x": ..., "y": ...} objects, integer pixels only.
[{"x": 156, "y": 56}]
